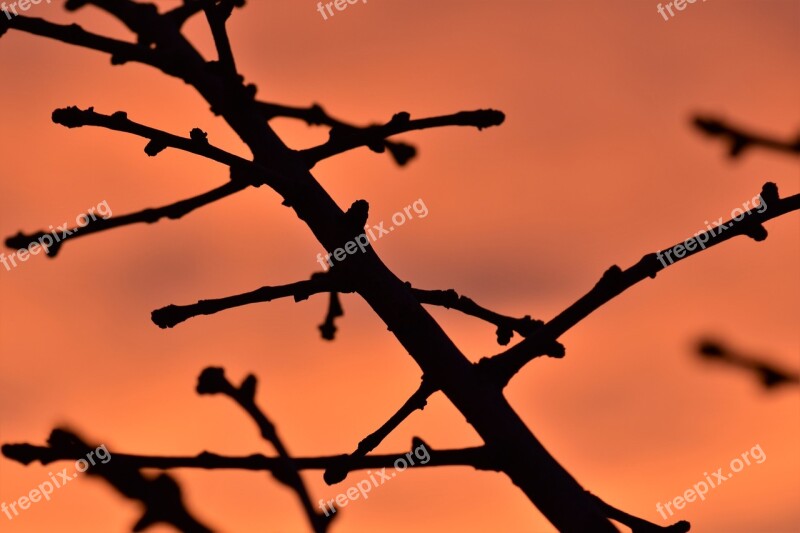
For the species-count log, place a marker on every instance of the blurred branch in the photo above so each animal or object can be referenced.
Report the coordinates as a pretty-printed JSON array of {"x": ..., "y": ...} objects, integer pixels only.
[
  {"x": 173, "y": 211},
  {"x": 338, "y": 472},
  {"x": 770, "y": 375},
  {"x": 739, "y": 139},
  {"x": 373, "y": 137},
  {"x": 213, "y": 381},
  {"x": 161, "y": 495},
  {"x": 314, "y": 115},
  {"x": 615, "y": 281}
]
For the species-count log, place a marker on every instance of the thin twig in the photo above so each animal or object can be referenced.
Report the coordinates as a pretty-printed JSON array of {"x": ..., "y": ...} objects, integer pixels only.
[
  {"x": 213, "y": 381},
  {"x": 739, "y": 139},
  {"x": 615, "y": 281}
]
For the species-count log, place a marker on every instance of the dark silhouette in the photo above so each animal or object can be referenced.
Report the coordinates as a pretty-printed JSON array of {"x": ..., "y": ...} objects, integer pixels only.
[{"x": 476, "y": 390}]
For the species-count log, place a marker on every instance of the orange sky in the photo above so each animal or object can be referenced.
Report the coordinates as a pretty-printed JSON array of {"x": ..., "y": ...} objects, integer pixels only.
[{"x": 595, "y": 165}]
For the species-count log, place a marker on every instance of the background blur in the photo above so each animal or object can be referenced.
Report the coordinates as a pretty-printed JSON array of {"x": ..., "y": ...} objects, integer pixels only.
[{"x": 596, "y": 165}]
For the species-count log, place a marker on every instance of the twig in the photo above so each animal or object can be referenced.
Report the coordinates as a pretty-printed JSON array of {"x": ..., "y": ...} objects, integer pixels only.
[
  {"x": 171, "y": 315},
  {"x": 770, "y": 375},
  {"x": 213, "y": 381},
  {"x": 373, "y": 137},
  {"x": 615, "y": 281},
  {"x": 314, "y": 115},
  {"x": 161, "y": 495},
  {"x": 638, "y": 525},
  {"x": 328, "y": 327},
  {"x": 740, "y": 139},
  {"x": 506, "y": 325},
  {"x": 417, "y": 401},
  {"x": 173, "y": 211}
]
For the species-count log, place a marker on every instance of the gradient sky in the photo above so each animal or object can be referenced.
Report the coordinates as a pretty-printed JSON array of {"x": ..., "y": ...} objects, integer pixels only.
[{"x": 596, "y": 164}]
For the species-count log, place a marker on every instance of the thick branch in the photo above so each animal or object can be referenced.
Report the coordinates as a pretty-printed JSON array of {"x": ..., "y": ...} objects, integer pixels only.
[
  {"x": 217, "y": 13},
  {"x": 213, "y": 381},
  {"x": 740, "y": 139},
  {"x": 342, "y": 140},
  {"x": 615, "y": 281},
  {"x": 149, "y": 216}
]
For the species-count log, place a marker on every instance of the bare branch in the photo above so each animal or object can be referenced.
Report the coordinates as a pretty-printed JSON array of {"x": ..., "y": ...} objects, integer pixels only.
[
  {"x": 213, "y": 381},
  {"x": 328, "y": 327},
  {"x": 417, "y": 401},
  {"x": 161, "y": 495},
  {"x": 314, "y": 115},
  {"x": 506, "y": 325},
  {"x": 476, "y": 457},
  {"x": 170, "y": 316},
  {"x": 740, "y": 139},
  {"x": 615, "y": 281},
  {"x": 217, "y": 12},
  {"x": 638, "y": 525},
  {"x": 342, "y": 140},
  {"x": 197, "y": 142},
  {"x": 149, "y": 216},
  {"x": 770, "y": 376}
]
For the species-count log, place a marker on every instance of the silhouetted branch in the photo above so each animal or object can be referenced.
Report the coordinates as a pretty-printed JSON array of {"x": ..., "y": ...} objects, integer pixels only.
[
  {"x": 217, "y": 12},
  {"x": 314, "y": 115},
  {"x": 417, "y": 401},
  {"x": 740, "y": 139},
  {"x": 639, "y": 525},
  {"x": 615, "y": 281},
  {"x": 121, "y": 51},
  {"x": 171, "y": 315},
  {"x": 197, "y": 143},
  {"x": 476, "y": 457},
  {"x": 506, "y": 325},
  {"x": 149, "y": 216},
  {"x": 770, "y": 375},
  {"x": 161, "y": 495},
  {"x": 373, "y": 136},
  {"x": 213, "y": 381}
]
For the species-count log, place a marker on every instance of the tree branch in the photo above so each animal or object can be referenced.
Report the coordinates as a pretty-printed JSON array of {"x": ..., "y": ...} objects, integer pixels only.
[
  {"x": 217, "y": 12},
  {"x": 149, "y": 216},
  {"x": 213, "y": 381},
  {"x": 338, "y": 472},
  {"x": 769, "y": 375},
  {"x": 161, "y": 495},
  {"x": 615, "y": 281},
  {"x": 740, "y": 139},
  {"x": 373, "y": 137},
  {"x": 172, "y": 315},
  {"x": 638, "y": 525}
]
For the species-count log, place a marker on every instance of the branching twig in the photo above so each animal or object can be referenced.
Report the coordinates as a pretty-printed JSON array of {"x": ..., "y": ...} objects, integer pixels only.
[
  {"x": 213, "y": 381},
  {"x": 170, "y": 316},
  {"x": 161, "y": 495},
  {"x": 740, "y": 139},
  {"x": 615, "y": 281},
  {"x": 314, "y": 115},
  {"x": 373, "y": 137},
  {"x": 638, "y": 525}
]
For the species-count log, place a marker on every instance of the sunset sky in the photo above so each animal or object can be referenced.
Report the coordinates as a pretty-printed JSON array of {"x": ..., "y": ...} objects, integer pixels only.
[{"x": 596, "y": 164}]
